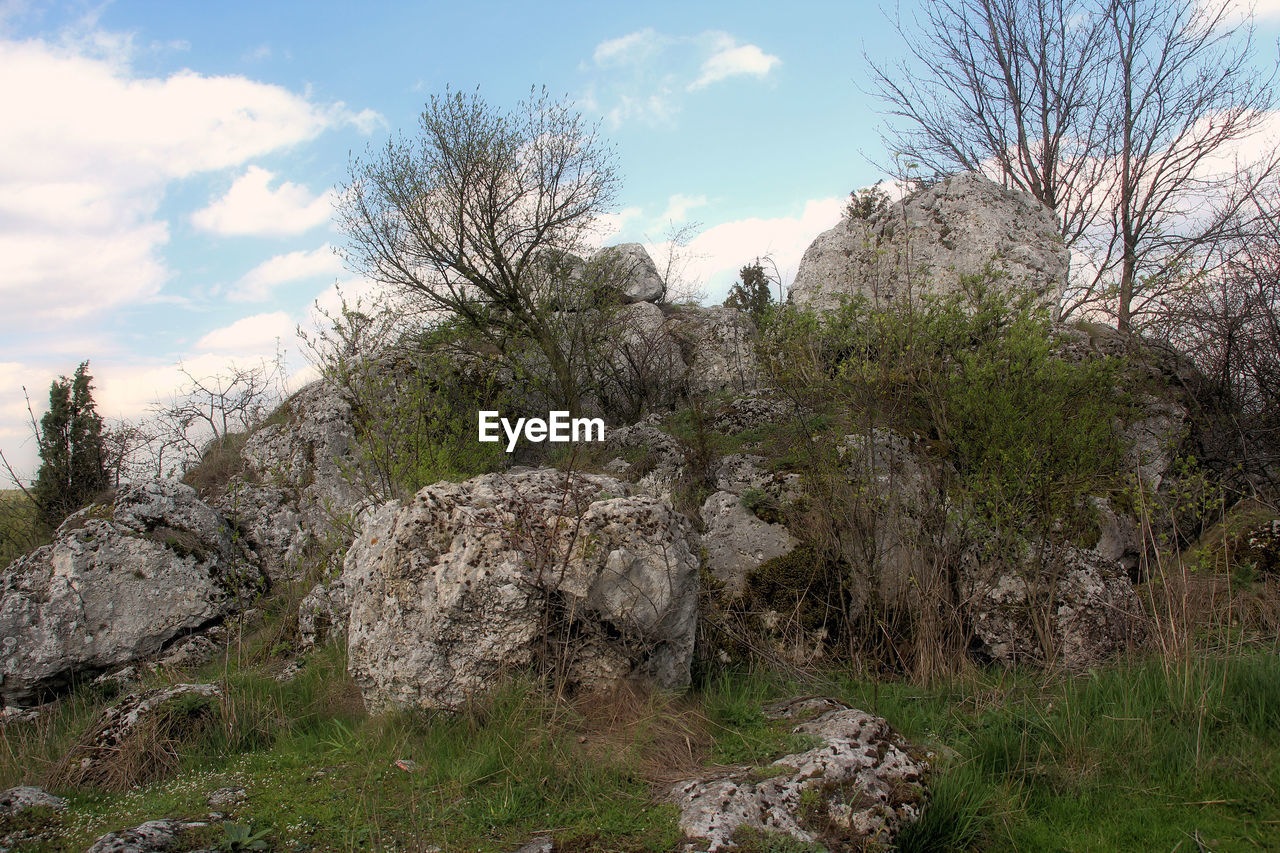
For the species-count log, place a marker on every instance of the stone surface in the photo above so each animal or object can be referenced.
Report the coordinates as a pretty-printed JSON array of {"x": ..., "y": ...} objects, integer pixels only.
[
  {"x": 953, "y": 228},
  {"x": 23, "y": 797},
  {"x": 117, "y": 584},
  {"x": 117, "y": 724},
  {"x": 863, "y": 777},
  {"x": 154, "y": 836},
  {"x": 306, "y": 452},
  {"x": 1152, "y": 440},
  {"x": 720, "y": 343},
  {"x": 736, "y": 542},
  {"x": 638, "y": 276},
  {"x": 661, "y": 458},
  {"x": 1089, "y": 603},
  {"x": 267, "y": 519},
  {"x": 477, "y": 579},
  {"x": 905, "y": 514}
]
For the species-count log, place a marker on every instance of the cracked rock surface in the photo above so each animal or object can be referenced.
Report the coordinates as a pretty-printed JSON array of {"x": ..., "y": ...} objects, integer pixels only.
[{"x": 866, "y": 782}]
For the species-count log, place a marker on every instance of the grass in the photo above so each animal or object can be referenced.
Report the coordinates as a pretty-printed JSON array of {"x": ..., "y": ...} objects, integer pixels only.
[{"x": 1142, "y": 755}]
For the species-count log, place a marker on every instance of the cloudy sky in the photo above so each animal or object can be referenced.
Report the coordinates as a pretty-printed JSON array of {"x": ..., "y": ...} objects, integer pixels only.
[{"x": 168, "y": 168}]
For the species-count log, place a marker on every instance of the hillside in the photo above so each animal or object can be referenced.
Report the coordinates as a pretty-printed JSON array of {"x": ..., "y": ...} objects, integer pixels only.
[{"x": 905, "y": 563}]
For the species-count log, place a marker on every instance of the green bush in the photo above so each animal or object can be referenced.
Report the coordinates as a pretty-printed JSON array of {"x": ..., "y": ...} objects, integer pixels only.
[{"x": 981, "y": 377}]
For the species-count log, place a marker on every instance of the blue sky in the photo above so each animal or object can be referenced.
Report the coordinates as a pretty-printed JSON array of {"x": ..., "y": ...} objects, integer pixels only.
[{"x": 167, "y": 168}]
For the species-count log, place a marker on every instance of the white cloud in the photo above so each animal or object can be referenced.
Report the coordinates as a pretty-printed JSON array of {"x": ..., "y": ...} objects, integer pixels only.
[
  {"x": 258, "y": 284},
  {"x": 251, "y": 206},
  {"x": 89, "y": 148},
  {"x": 733, "y": 59},
  {"x": 643, "y": 75},
  {"x": 633, "y": 47},
  {"x": 679, "y": 205},
  {"x": 716, "y": 255},
  {"x": 255, "y": 334}
]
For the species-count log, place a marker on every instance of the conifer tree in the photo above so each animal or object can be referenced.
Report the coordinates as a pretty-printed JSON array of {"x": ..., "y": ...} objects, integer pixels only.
[
  {"x": 752, "y": 292},
  {"x": 72, "y": 461}
]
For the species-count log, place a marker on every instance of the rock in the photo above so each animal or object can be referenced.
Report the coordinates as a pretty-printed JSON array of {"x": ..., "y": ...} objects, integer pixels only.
[
  {"x": 117, "y": 584},
  {"x": 23, "y": 797},
  {"x": 267, "y": 518},
  {"x": 1151, "y": 441},
  {"x": 953, "y": 228},
  {"x": 117, "y": 729},
  {"x": 748, "y": 411},
  {"x": 324, "y": 612},
  {"x": 662, "y": 458},
  {"x": 14, "y": 714},
  {"x": 537, "y": 845},
  {"x": 633, "y": 269},
  {"x": 720, "y": 343},
  {"x": 736, "y": 542},
  {"x": 155, "y": 836},
  {"x": 1119, "y": 537},
  {"x": 533, "y": 567},
  {"x": 195, "y": 650},
  {"x": 646, "y": 362},
  {"x": 905, "y": 519},
  {"x": 1089, "y": 604},
  {"x": 861, "y": 781},
  {"x": 306, "y": 453},
  {"x": 227, "y": 798}
]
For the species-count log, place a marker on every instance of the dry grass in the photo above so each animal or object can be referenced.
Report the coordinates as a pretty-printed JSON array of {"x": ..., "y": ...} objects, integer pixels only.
[{"x": 664, "y": 736}]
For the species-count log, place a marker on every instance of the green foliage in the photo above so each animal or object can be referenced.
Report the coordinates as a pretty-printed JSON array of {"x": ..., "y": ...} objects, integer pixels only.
[
  {"x": 867, "y": 202},
  {"x": 979, "y": 376},
  {"x": 753, "y": 292},
  {"x": 72, "y": 461},
  {"x": 241, "y": 836},
  {"x": 21, "y": 529},
  {"x": 955, "y": 817},
  {"x": 414, "y": 394}
]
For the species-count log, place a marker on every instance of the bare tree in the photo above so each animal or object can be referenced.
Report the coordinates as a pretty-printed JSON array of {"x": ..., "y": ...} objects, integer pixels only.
[
  {"x": 484, "y": 215},
  {"x": 1186, "y": 92},
  {"x": 1113, "y": 113},
  {"x": 206, "y": 410}
]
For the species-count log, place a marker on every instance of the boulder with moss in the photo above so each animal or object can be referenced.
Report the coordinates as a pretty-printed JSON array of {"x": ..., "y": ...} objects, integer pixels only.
[
  {"x": 119, "y": 582},
  {"x": 571, "y": 574},
  {"x": 853, "y": 789}
]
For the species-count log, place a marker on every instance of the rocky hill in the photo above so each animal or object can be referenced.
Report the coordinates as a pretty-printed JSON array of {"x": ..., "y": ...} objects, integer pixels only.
[{"x": 772, "y": 498}]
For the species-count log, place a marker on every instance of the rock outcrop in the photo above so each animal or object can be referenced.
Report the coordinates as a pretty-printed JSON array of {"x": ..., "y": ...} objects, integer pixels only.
[
  {"x": 1065, "y": 605},
  {"x": 954, "y": 228},
  {"x": 534, "y": 567},
  {"x": 118, "y": 583},
  {"x": 856, "y": 786},
  {"x": 632, "y": 272},
  {"x": 305, "y": 450},
  {"x": 737, "y": 542}
]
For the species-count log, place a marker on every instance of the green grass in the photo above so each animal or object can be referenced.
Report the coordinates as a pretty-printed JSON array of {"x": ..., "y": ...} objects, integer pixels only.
[{"x": 1135, "y": 756}]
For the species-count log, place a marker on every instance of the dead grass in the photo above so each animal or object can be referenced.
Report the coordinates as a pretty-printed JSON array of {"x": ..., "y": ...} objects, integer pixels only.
[{"x": 663, "y": 736}]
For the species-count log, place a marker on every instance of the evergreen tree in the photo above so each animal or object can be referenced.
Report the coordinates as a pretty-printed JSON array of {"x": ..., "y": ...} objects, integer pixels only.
[
  {"x": 72, "y": 461},
  {"x": 753, "y": 292}
]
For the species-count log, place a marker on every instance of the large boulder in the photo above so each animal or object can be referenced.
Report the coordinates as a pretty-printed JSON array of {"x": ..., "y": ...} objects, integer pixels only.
[
  {"x": 956, "y": 227},
  {"x": 635, "y": 275},
  {"x": 737, "y": 542},
  {"x": 118, "y": 583},
  {"x": 535, "y": 567},
  {"x": 721, "y": 350}
]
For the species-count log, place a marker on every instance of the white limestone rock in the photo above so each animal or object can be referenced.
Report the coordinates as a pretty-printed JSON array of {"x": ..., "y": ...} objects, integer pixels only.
[{"x": 504, "y": 571}]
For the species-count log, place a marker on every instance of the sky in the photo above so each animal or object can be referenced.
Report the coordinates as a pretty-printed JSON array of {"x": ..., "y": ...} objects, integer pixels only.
[{"x": 168, "y": 168}]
